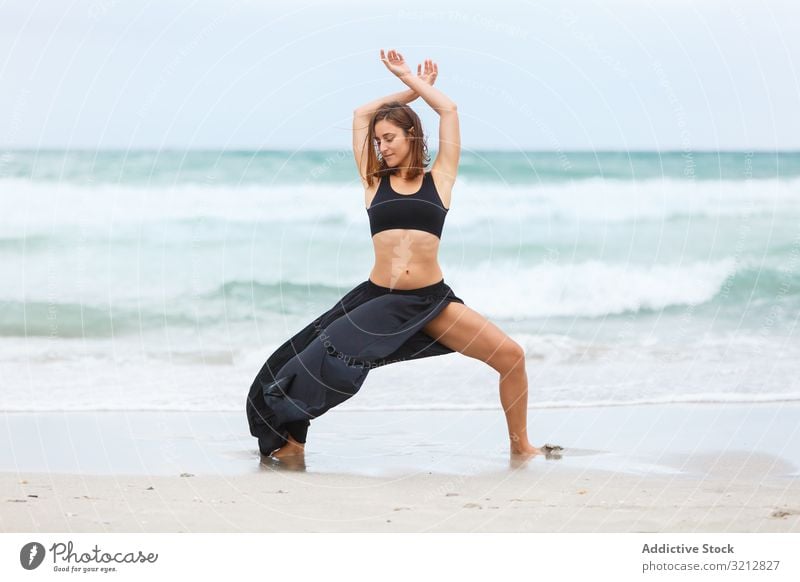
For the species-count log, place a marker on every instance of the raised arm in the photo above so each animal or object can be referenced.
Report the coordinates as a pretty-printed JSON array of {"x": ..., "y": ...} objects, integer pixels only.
[
  {"x": 361, "y": 119},
  {"x": 446, "y": 163},
  {"x": 362, "y": 116},
  {"x": 438, "y": 101}
]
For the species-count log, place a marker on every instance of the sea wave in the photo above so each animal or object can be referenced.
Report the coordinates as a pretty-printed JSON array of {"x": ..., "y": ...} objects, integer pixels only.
[
  {"x": 35, "y": 209},
  {"x": 588, "y": 289}
]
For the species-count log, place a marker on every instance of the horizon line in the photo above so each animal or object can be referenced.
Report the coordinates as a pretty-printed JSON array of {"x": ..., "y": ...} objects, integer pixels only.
[{"x": 4, "y": 150}]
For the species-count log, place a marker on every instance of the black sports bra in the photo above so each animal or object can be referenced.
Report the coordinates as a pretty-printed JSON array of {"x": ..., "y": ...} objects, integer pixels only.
[{"x": 420, "y": 211}]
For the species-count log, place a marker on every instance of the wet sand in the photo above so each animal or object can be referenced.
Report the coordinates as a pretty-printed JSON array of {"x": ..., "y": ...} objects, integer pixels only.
[{"x": 661, "y": 468}]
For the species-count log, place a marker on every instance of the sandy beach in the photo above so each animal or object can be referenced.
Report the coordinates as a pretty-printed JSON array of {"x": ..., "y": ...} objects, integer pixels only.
[{"x": 656, "y": 468}]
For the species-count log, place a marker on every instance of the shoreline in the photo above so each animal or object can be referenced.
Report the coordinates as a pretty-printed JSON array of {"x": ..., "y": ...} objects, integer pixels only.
[
  {"x": 710, "y": 468},
  {"x": 679, "y": 440}
]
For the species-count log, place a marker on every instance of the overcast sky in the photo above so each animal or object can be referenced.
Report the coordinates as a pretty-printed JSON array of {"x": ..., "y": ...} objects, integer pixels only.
[{"x": 610, "y": 74}]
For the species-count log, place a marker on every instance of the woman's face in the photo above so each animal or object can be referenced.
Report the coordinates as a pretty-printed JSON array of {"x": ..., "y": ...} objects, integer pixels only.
[{"x": 392, "y": 142}]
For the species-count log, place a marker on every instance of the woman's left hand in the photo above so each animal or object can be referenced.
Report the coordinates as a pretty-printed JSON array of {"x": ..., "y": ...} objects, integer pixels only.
[{"x": 395, "y": 63}]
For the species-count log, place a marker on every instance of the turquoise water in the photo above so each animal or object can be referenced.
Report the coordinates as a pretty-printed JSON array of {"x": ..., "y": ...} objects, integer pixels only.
[
  {"x": 162, "y": 280},
  {"x": 291, "y": 167}
]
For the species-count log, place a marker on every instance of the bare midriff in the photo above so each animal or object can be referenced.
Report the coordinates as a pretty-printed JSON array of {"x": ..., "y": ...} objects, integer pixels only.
[{"x": 405, "y": 259}]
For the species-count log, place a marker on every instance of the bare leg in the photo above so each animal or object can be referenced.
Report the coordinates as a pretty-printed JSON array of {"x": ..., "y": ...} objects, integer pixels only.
[
  {"x": 514, "y": 398},
  {"x": 466, "y": 331}
]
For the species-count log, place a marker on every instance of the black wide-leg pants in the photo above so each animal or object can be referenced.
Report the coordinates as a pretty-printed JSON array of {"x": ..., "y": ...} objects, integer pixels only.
[{"x": 326, "y": 362}]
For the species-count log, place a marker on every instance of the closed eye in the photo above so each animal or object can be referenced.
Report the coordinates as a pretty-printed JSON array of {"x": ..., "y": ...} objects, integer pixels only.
[{"x": 390, "y": 136}]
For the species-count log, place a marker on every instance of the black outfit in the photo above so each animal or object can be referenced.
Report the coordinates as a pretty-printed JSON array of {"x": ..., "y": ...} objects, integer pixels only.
[
  {"x": 326, "y": 362},
  {"x": 422, "y": 210}
]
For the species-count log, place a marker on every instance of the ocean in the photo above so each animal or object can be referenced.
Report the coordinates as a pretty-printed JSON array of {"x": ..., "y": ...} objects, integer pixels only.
[{"x": 147, "y": 280}]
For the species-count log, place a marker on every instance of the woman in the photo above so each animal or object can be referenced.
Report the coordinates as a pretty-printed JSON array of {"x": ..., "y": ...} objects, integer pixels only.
[{"x": 404, "y": 310}]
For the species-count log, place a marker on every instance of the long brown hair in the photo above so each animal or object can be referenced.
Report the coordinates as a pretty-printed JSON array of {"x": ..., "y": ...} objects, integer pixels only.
[{"x": 407, "y": 119}]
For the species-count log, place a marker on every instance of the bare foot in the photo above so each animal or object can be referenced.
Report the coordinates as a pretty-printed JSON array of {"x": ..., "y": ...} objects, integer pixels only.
[
  {"x": 290, "y": 449},
  {"x": 525, "y": 449}
]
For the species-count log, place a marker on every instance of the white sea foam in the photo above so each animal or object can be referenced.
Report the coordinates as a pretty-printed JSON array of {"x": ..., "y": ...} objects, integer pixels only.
[
  {"x": 30, "y": 207},
  {"x": 40, "y": 375},
  {"x": 587, "y": 289}
]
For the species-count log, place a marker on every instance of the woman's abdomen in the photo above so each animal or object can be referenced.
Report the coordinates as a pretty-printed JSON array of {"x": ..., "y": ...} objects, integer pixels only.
[{"x": 405, "y": 259}]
